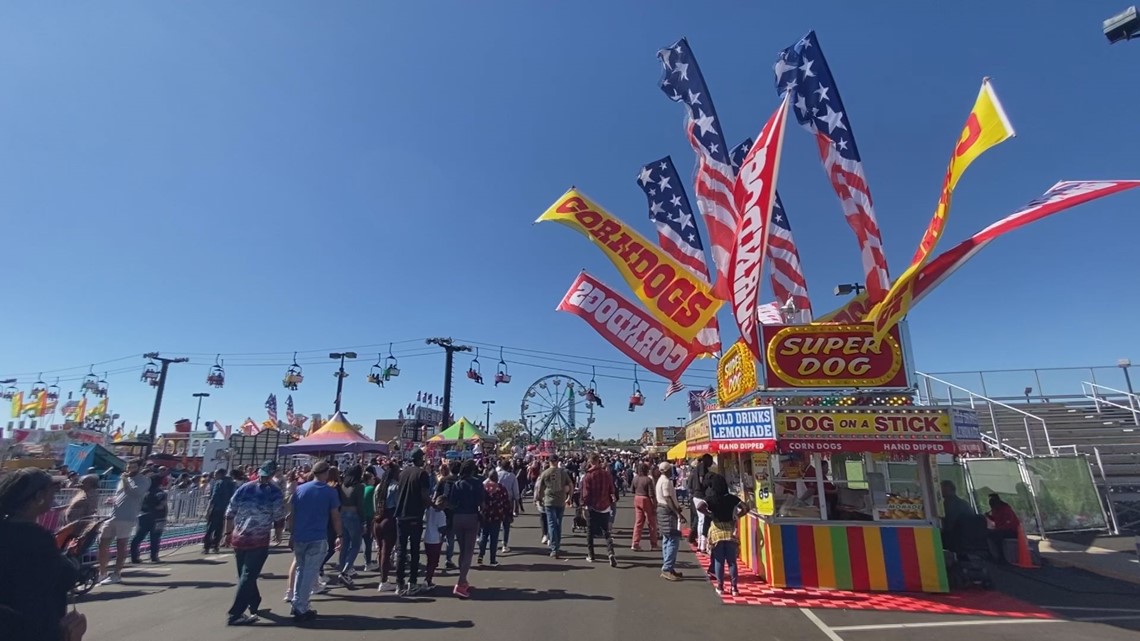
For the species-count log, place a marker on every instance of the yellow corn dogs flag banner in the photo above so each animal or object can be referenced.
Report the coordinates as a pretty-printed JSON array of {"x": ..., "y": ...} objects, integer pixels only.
[
  {"x": 677, "y": 298},
  {"x": 986, "y": 126}
]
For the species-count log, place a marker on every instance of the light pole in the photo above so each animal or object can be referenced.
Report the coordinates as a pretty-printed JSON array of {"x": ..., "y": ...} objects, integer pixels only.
[
  {"x": 199, "y": 396},
  {"x": 340, "y": 374},
  {"x": 158, "y": 396},
  {"x": 1123, "y": 26},
  {"x": 488, "y": 404},
  {"x": 449, "y": 347},
  {"x": 1124, "y": 364}
]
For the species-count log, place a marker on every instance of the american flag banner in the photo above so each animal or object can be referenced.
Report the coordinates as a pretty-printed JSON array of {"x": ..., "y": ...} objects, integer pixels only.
[
  {"x": 271, "y": 408},
  {"x": 290, "y": 416},
  {"x": 682, "y": 82},
  {"x": 803, "y": 71},
  {"x": 770, "y": 314},
  {"x": 677, "y": 232},
  {"x": 674, "y": 387},
  {"x": 698, "y": 399}
]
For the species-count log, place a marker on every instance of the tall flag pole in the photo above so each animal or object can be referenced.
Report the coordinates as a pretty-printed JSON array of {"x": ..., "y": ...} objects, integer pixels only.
[
  {"x": 677, "y": 232},
  {"x": 802, "y": 71},
  {"x": 787, "y": 276},
  {"x": 683, "y": 82},
  {"x": 754, "y": 196}
]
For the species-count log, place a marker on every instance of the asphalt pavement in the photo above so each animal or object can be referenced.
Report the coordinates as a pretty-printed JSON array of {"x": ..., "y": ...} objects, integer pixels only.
[{"x": 533, "y": 597}]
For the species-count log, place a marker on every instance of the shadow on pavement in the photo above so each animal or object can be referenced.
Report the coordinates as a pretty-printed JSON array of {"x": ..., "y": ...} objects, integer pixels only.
[
  {"x": 214, "y": 561},
  {"x": 92, "y": 597},
  {"x": 524, "y": 594},
  {"x": 356, "y": 622},
  {"x": 186, "y": 584},
  {"x": 1073, "y": 593},
  {"x": 528, "y": 567}
]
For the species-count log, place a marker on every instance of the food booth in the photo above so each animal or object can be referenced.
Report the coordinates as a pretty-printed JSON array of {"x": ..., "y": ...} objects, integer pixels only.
[{"x": 843, "y": 485}]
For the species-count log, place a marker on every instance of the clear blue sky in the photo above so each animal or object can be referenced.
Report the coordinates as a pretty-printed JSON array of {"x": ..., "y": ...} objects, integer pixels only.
[{"x": 263, "y": 177}]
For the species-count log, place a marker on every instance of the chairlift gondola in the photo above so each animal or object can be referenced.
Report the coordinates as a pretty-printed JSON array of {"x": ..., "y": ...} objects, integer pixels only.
[
  {"x": 376, "y": 374},
  {"x": 503, "y": 375},
  {"x": 150, "y": 373},
  {"x": 39, "y": 387},
  {"x": 391, "y": 365},
  {"x": 10, "y": 391},
  {"x": 90, "y": 381},
  {"x": 293, "y": 376},
  {"x": 637, "y": 399},
  {"x": 474, "y": 371},
  {"x": 101, "y": 386},
  {"x": 53, "y": 390},
  {"x": 592, "y": 391},
  {"x": 217, "y": 375}
]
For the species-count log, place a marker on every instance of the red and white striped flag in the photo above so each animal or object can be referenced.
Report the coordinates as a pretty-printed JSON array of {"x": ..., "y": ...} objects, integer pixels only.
[{"x": 674, "y": 387}]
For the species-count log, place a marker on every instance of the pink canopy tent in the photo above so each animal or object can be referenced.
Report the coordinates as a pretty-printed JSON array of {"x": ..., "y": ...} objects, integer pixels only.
[{"x": 335, "y": 436}]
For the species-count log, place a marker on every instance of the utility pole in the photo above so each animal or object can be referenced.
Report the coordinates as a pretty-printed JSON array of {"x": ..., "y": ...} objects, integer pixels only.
[
  {"x": 199, "y": 396},
  {"x": 158, "y": 396},
  {"x": 488, "y": 404},
  {"x": 449, "y": 347},
  {"x": 340, "y": 374}
]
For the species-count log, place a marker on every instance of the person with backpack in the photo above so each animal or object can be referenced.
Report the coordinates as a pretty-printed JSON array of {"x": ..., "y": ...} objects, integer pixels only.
[
  {"x": 494, "y": 512},
  {"x": 466, "y": 498}
]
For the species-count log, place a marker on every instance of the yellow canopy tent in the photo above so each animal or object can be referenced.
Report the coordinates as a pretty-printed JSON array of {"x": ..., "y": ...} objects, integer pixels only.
[{"x": 677, "y": 452}]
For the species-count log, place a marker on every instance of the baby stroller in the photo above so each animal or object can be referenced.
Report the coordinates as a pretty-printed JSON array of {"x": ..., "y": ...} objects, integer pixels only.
[
  {"x": 581, "y": 522},
  {"x": 968, "y": 561},
  {"x": 74, "y": 540}
]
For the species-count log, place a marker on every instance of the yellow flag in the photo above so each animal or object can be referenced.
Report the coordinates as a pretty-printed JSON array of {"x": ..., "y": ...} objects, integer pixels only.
[
  {"x": 81, "y": 410},
  {"x": 17, "y": 405},
  {"x": 677, "y": 298},
  {"x": 986, "y": 126}
]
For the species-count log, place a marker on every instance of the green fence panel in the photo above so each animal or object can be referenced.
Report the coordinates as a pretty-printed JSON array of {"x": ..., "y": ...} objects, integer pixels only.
[{"x": 1066, "y": 493}]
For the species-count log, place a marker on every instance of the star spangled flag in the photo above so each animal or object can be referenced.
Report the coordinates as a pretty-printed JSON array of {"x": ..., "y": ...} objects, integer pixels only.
[
  {"x": 682, "y": 82},
  {"x": 290, "y": 416},
  {"x": 699, "y": 398},
  {"x": 271, "y": 408},
  {"x": 787, "y": 276},
  {"x": 1058, "y": 198},
  {"x": 677, "y": 232},
  {"x": 803, "y": 71},
  {"x": 770, "y": 314},
  {"x": 674, "y": 387}
]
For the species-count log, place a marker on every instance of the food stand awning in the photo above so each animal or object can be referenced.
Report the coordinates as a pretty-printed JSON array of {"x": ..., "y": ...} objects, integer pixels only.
[
  {"x": 677, "y": 452},
  {"x": 335, "y": 436}
]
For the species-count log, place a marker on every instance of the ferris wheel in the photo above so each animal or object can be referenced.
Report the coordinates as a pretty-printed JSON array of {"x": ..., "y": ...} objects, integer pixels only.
[{"x": 557, "y": 407}]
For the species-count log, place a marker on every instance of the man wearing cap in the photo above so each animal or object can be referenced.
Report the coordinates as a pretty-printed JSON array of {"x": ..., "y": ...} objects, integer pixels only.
[
  {"x": 412, "y": 496},
  {"x": 552, "y": 494},
  {"x": 669, "y": 519},
  {"x": 256, "y": 508},
  {"x": 313, "y": 506}
]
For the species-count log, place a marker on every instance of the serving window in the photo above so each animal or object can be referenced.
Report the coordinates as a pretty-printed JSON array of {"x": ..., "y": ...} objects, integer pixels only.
[{"x": 850, "y": 486}]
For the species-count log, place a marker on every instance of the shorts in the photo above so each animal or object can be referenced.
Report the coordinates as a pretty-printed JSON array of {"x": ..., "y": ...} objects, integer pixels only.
[{"x": 116, "y": 530}]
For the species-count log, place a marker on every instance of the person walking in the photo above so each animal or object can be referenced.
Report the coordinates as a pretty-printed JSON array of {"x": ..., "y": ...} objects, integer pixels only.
[
  {"x": 724, "y": 512},
  {"x": 510, "y": 483},
  {"x": 465, "y": 498},
  {"x": 221, "y": 491},
  {"x": 256, "y": 508},
  {"x": 367, "y": 515},
  {"x": 434, "y": 527},
  {"x": 413, "y": 494},
  {"x": 152, "y": 521},
  {"x": 553, "y": 491},
  {"x": 494, "y": 512},
  {"x": 448, "y": 475},
  {"x": 352, "y": 528},
  {"x": 669, "y": 519},
  {"x": 85, "y": 503},
  {"x": 599, "y": 495},
  {"x": 126, "y": 505},
  {"x": 387, "y": 494},
  {"x": 644, "y": 507},
  {"x": 314, "y": 504}
]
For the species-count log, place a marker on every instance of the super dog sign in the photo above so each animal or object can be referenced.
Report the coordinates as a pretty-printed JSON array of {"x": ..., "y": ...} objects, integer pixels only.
[{"x": 841, "y": 355}]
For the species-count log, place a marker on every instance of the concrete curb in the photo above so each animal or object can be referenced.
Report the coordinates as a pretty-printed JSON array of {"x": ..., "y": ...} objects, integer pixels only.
[{"x": 1095, "y": 569}]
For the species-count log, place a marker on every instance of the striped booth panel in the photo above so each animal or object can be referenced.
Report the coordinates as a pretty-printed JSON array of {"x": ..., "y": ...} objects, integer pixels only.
[{"x": 856, "y": 557}]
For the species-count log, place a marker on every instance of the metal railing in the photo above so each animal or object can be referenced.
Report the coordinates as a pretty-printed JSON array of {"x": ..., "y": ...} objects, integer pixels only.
[
  {"x": 1097, "y": 394},
  {"x": 972, "y": 397},
  {"x": 1046, "y": 384},
  {"x": 994, "y": 444}
]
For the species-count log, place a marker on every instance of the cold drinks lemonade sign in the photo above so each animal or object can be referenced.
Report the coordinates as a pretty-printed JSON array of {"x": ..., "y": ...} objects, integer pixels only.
[{"x": 750, "y": 429}]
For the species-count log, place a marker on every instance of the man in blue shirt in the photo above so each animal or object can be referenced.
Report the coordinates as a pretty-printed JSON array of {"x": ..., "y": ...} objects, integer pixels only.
[
  {"x": 256, "y": 508},
  {"x": 313, "y": 506},
  {"x": 221, "y": 491}
]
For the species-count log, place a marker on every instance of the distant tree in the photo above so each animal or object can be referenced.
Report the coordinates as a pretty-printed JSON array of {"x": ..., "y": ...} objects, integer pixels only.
[
  {"x": 358, "y": 427},
  {"x": 508, "y": 430}
]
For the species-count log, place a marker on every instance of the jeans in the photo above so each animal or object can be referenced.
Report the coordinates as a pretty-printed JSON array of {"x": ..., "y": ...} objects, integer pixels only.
[
  {"x": 466, "y": 531},
  {"x": 148, "y": 525},
  {"x": 351, "y": 532},
  {"x": 670, "y": 539},
  {"x": 215, "y": 523},
  {"x": 644, "y": 515},
  {"x": 554, "y": 516},
  {"x": 308, "y": 557},
  {"x": 600, "y": 526},
  {"x": 489, "y": 536},
  {"x": 249, "y": 564},
  {"x": 409, "y": 532},
  {"x": 725, "y": 553},
  {"x": 506, "y": 533},
  {"x": 432, "y": 550},
  {"x": 367, "y": 539},
  {"x": 543, "y": 521}
]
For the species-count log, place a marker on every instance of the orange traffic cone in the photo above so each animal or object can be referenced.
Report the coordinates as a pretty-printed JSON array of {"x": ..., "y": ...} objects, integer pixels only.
[{"x": 1024, "y": 558}]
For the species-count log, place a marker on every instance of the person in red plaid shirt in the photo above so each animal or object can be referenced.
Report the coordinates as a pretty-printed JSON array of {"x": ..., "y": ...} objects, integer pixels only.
[
  {"x": 599, "y": 496},
  {"x": 495, "y": 509}
]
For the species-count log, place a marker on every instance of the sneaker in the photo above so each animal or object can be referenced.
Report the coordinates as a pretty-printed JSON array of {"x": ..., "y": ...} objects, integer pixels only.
[
  {"x": 304, "y": 617},
  {"x": 462, "y": 591},
  {"x": 546, "y": 540},
  {"x": 675, "y": 573},
  {"x": 494, "y": 564},
  {"x": 735, "y": 592},
  {"x": 670, "y": 576},
  {"x": 288, "y": 597},
  {"x": 242, "y": 619},
  {"x": 402, "y": 590},
  {"x": 613, "y": 561},
  {"x": 589, "y": 558},
  {"x": 504, "y": 549},
  {"x": 480, "y": 561},
  {"x": 554, "y": 554},
  {"x": 413, "y": 589},
  {"x": 346, "y": 580},
  {"x": 450, "y": 566},
  {"x": 386, "y": 587},
  {"x": 371, "y": 566},
  {"x": 428, "y": 587},
  {"x": 321, "y": 588},
  {"x": 352, "y": 573},
  {"x": 111, "y": 579},
  {"x": 635, "y": 548}
]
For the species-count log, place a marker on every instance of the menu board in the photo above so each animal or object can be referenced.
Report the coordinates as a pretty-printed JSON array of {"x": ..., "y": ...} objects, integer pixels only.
[{"x": 762, "y": 482}]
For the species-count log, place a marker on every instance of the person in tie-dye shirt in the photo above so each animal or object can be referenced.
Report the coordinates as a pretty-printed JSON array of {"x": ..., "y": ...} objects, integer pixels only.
[{"x": 256, "y": 508}]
